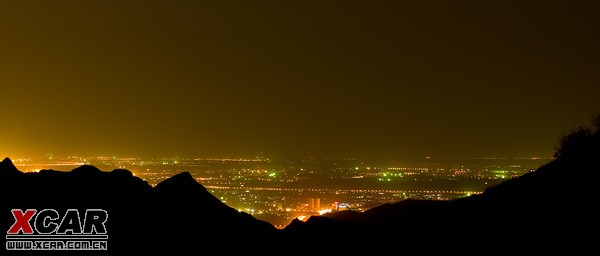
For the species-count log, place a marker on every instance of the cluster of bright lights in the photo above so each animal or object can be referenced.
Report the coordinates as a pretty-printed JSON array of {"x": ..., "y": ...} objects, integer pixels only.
[{"x": 321, "y": 212}]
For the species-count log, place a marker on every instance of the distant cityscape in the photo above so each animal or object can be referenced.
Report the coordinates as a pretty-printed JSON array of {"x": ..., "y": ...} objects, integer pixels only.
[{"x": 278, "y": 191}]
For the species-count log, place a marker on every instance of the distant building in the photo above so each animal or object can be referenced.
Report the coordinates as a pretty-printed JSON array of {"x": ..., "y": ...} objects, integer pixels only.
[{"x": 314, "y": 204}]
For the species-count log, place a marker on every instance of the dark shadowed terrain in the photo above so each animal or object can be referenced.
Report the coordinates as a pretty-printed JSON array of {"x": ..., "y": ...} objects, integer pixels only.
[{"x": 553, "y": 207}]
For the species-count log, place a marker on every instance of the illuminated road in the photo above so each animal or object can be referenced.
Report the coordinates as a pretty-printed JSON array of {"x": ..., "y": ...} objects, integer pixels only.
[{"x": 345, "y": 190}]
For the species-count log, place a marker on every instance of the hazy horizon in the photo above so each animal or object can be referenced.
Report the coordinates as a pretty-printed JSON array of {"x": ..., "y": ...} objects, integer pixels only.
[{"x": 262, "y": 157}]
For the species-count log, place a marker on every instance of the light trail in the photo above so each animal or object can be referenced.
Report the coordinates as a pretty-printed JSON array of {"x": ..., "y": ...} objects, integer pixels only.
[{"x": 345, "y": 190}]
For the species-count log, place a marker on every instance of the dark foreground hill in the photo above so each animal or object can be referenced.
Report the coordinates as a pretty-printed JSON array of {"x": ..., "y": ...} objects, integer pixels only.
[
  {"x": 178, "y": 214},
  {"x": 553, "y": 207},
  {"x": 543, "y": 211}
]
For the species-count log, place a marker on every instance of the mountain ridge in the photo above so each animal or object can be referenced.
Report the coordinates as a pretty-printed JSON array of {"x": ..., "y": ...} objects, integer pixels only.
[
  {"x": 553, "y": 205},
  {"x": 142, "y": 218},
  {"x": 8, "y": 168}
]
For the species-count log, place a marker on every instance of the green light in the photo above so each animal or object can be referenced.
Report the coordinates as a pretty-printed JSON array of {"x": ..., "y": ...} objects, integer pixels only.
[
  {"x": 356, "y": 168},
  {"x": 385, "y": 174},
  {"x": 272, "y": 174}
]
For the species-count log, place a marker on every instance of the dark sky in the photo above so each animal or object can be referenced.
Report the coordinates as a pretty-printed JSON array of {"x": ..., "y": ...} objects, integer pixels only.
[{"x": 375, "y": 79}]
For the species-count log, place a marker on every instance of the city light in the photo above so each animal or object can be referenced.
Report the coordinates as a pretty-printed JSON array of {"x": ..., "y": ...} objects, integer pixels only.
[
  {"x": 321, "y": 212},
  {"x": 254, "y": 187}
]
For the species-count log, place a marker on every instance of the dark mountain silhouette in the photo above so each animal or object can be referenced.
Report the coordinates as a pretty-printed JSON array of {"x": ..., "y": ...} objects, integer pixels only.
[
  {"x": 554, "y": 205},
  {"x": 551, "y": 208},
  {"x": 178, "y": 214},
  {"x": 8, "y": 168},
  {"x": 201, "y": 214},
  {"x": 388, "y": 214}
]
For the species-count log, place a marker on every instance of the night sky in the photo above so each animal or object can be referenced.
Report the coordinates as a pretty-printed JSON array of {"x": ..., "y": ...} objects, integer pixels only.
[{"x": 368, "y": 79}]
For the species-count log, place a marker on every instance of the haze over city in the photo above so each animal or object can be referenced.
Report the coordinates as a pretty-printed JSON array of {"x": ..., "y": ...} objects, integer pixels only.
[
  {"x": 387, "y": 80},
  {"x": 265, "y": 127}
]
